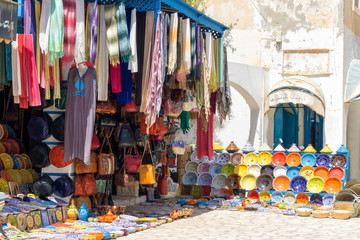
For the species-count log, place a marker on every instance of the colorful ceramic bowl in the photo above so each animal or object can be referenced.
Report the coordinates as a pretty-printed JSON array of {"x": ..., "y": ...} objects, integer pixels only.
[
  {"x": 264, "y": 182},
  {"x": 219, "y": 181},
  {"x": 233, "y": 181},
  {"x": 293, "y": 159},
  {"x": 4, "y": 186},
  {"x": 215, "y": 169},
  {"x": 253, "y": 194},
  {"x": 251, "y": 158},
  {"x": 308, "y": 159},
  {"x": 237, "y": 158},
  {"x": 15, "y": 175},
  {"x": 191, "y": 167},
  {"x": 298, "y": 184},
  {"x": 7, "y": 161},
  {"x": 316, "y": 199},
  {"x": 289, "y": 198},
  {"x": 333, "y": 185},
  {"x": 323, "y": 160},
  {"x": 227, "y": 169},
  {"x": 280, "y": 170},
  {"x": 328, "y": 200},
  {"x": 322, "y": 172},
  {"x": 254, "y": 169},
  {"x": 338, "y": 160},
  {"x": 223, "y": 158},
  {"x": 264, "y": 158},
  {"x": 248, "y": 182},
  {"x": 214, "y": 158},
  {"x": 194, "y": 157},
  {"x": 15, "y": 161},
  {"x": 277, "y": 196},
  {"x": 264, "y": 196},
  {"x": 292, "y": 172},
  {"x": 315, "y": 185},
  {"x": 336, "y": 172},
  {"x": 278, "y": 158},
  {"x": 5, "y": 175},
  {"x": 190, "y": 178},
  {"x": 302, "y": 198},
  {"x": 269, "y": 169},
  {"x": 281, "y": 183},
  {"x": 204, "y": 179},
  {"x": 203, "y": 167},
  {"x": 307, "y": 172},
  {"x": 241, "y": 170}
]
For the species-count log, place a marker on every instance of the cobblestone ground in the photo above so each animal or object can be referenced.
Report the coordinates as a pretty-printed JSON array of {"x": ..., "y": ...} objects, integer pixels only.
[{"x": 227, "y": 224}]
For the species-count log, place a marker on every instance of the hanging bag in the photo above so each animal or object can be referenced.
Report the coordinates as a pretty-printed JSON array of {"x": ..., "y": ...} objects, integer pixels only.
[
  {"x": 126, "y": 138},
  {"x": 106, "y": 161},
  {"x": 95, "y": 143},
  {"x": 132, "y": 162},
  {"x": 147, "y": 171},
  {"x": 123, "y": 179},
  {"x": 162, "y": 186},
  {"x": 81, "y": 167},
  {"x": 178, "y": 145},
  {"x": 188, "y": 101}
]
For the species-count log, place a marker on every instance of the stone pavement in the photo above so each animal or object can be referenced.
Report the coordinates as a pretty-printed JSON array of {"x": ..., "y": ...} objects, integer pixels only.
[{"x": 228, "y": 224}]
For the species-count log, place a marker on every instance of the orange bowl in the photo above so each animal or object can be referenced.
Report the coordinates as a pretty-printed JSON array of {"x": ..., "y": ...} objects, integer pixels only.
[
  {"x": 333, "y": 185},
  {"x": 302, "y": 198},
  {"x": 278, "y": 158},
  {"x": 336, "y": 172},
  {"x": 281, "y": 183},
  {"x": 322, "y": 172},
  {"x": 293, "y": 159}
]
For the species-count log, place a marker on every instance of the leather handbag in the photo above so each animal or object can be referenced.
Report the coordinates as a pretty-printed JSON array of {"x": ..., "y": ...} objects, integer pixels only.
[
  {"x": 106, "y": 161},
  {"x": 90, "y": 184},
  {"x": 123, "y": 179},
  {"x": 126, "y": 138},
  {"x": 107, "y": 107},
  {"x": 81, "y": 167},
  {"x": 157, "y": 129},
  {"x": 132, "y": 162},
  {"x": 95, "y": 143},
  {"x": 108, "y": 120},
  {"x": 80, "y": 186},
  {"x": 131, "y": 107},
  {"x": 147, "y": 171},
  {"x": 11, "y": 111},
  {"x": 162, "y": 186}
]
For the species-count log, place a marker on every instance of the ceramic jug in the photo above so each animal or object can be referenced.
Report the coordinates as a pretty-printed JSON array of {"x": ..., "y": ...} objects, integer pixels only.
[
  {"x": 232, "y": 148},
  {"x": 72, "y": 211},
  {"x": 217, "y": 147},
  {"x": 83, "y": 213}
]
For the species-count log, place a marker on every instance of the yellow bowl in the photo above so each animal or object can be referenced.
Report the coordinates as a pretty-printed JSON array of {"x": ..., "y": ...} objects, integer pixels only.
[
  {"x": 248, "y": 182},
  {"x": 307, "y": 172},
  {"x": 264, "y": 158},
  {"x": 7, "y": 160},
  {"x": 251, "y": 159},
  {"x": 15, "y": 175},
  {"x": 265, "y": 196},
  {"x": 241, "y": 170},
  {"x": 315, "y": 184}
]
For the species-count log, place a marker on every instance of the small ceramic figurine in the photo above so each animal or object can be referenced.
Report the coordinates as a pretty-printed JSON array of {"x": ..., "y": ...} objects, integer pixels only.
[
  {"x": 72, "y": 211},
  {"x": 83, "y": 212}
]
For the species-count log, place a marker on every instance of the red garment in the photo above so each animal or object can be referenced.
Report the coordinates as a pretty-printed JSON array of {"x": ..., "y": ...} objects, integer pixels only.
[
  {"x": 115, "y": 75},
  {"x": 51, "y": 73},
  {"x": 21, "y": 47},
  {"x": 69, "y": 8}
]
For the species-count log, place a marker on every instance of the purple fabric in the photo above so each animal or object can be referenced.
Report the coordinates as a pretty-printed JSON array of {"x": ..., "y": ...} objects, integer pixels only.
[
  {"x": 94, "y": 31},
  {"x": 27, "y": 16},
  {"x": 198, "y": 53},
  {"x": 33, "y": 24}
]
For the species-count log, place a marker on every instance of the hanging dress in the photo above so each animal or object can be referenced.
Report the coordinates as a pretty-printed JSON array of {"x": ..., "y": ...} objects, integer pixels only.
[{"x": 80, "y": 114}]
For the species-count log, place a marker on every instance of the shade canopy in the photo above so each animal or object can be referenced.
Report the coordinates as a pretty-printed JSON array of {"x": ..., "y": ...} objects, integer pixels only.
[
  {"x": 297, "y": 90},
  {"x": 352, "y": 89}
]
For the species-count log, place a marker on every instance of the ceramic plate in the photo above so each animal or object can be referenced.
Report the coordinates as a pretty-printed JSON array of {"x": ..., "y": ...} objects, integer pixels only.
[
  {"x": 227, "y": 169},
  {"x": 215, "y": 169},
  {"x": 315, "y": 185},
  {"x": 289, "y": 198},
  {"x": 302, "y": 198},
  {"x": 333, "y": 185},
  {"x": 190, "y": 178},
  {"x": 293, "y": 159},
  {"x": 316, "y": 199},
  {"x": 193, "y": 157},
  {"x": 251, "y": 159},
  {"x": 307, "y": 172},
  {"x": 269, "y": 169},
  {"x": 281, "y": 183},
  {"x": 264, "y": 196},
  {"x": 233, "y": 181},
  {"x": 328, "y": 200},
  {"x": 191, "y": 167},
  {"x": 205, "y": 179},
  {"x": 264, "y": 158},
  {"x": 338, "y": 160},
  {"x": 308, "y": 159},
  {"x": 277, "y": 196},
  {"x": 336, "y": 172},
  {"x": 248, "y": 182},
  {"x": 278, "y": 158},
  {"x": 224, "y": 158},
  {"x": 214, "y": 158},
  {"x": 280, "y": 170},
  {"x": 241, "y": 170},
  {"x": 253, "y": 194},
  {"x": 298, "y": 184},
  {"x": 292, "y": 172},
  {"x": 203, "y": 167},
  {"x": 237, "y": 158},
  {"x": 264, "y": 182},
  {"x": 323, "y": 160},
  {"x": 254, "y": 169},
  {"x": 219, "y": 181},
  {"x": 322, "y": 172}
]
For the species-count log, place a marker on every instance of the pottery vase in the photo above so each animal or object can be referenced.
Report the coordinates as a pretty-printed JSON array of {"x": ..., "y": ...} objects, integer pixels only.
[
  {"x": 72, "y": 211},
  {"x": 83, "y": 212}
]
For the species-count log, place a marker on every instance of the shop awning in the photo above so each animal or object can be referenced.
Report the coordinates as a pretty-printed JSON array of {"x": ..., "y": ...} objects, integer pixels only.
[
  {"x": 352, "y": 88},
  {"x": 297, "y": 90}
]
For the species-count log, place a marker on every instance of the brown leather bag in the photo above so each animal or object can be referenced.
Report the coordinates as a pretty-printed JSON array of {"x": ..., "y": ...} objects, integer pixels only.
[
  {"x": 81, "y": 167},
  {"x": 106, "y": 161},
  {"x": 90, "y": 184},
  {"x": 106, "y": 107},
  {"x": 80, "y": 186},
  {"x": 162, "y": 186},
  {"x": 123, "y": 179}
]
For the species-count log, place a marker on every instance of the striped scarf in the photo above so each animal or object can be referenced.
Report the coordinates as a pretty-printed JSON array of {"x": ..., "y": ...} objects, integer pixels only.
[
  {"x": 187, "y": 45},
  {"x": 56, "y": 34},
  {"x": 69, "y": 30},
  {"x": 172, "y": 54},
  {"x": 94, "y": 33},
  {"x": 122, "y": 29},
  {"x": 112, "y": 34}
]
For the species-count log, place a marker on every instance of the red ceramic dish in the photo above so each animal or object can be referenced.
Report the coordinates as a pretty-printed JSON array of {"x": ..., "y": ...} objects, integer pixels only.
[
  {"x": 302, "y": 198},
  {"x": 253, "y": 194},
  {"x": 278, "y": 158},
  {"x": 333, "y": 185},
  {"x": 281, "y": 183},
  {"x": 322, "y": 172},
  {"x": 5, "y": 175},
  {"x": 293, "y": 159},
  {"x": 336, "y": 172}
]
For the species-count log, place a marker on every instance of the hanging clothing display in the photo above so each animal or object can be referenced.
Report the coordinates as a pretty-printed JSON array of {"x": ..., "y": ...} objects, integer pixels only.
[
  {"x": 115, "y": 76},
  {"x": 133, "y": 64},
  {"x": 45, "y": 26},
  {"x": 15, "y": 62},
  {"x": 187, "y": 45},
  {"x": 79, "y": 54},
  {"x": 103, "y": 59},
  {"x": 122, "y": 28},
  {"x": 94, "y": 33},
  {"x": 112, "y": 34},
  {"x": 172, "y": 56},
  {"x": 56, "y": 33},
  {"x": 80, "y": 114},
  {"x": 140, "y": 43},
  {"x": 69, "y": 30}
]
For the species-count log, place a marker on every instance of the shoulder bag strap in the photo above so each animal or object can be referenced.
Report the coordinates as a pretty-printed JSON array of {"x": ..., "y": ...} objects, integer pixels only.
[{"x": 147, "y": 144}]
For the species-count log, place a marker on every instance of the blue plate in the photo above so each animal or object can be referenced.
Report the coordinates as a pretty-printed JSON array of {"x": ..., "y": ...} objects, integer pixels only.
[
  {"x": 316, "y": 199},
  {"x": 308, "y": 159},
  {"x": 277, "y": 196},
  {"x": 298, "y": 184},
  {"x": 293, "y": 172},
  {"x": 323, "y": 160}
]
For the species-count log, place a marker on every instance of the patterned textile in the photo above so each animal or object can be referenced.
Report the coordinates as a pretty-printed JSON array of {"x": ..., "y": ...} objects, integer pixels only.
[
  {"x": 56, "y": 34},
  {"x": 79, "y": 54},
  {"x": 44, "y": 26},
  {"x": 172, "y": 57},
  {"x": 122, "y": 29},
  {"x": 69, "y": 30},
  {"x": 94, "y": 34},
  {"x": 112, "y": 34}
]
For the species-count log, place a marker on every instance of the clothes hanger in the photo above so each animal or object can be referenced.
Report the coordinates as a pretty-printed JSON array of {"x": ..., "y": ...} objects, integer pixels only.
[{"x": 87, "y": 63}]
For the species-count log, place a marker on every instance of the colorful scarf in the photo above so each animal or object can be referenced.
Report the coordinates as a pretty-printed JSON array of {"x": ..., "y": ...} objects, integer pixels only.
[
  {"x": 198, "y": 53},
  {"x": 185, "y": 125},
  {"x": 56, "y": 34},
  {"x": 213, "y": 73},
  {"x": 79, "y": 54},
  {"x": 38, "y": 54},
  {"x": 103, "y": 59},
  {"x": 133, "y": 64},
  {"x": 112, "y": 34},
  {"x": 87, "y": 33},
  {"x": 70, "y": 8},
  {"x": 27, "y": 16},
  {"x": 44, "y": 26},
  {"x": 173, "y": 43},
  {"x": 165, "y": 45},
  {"x": 122, "y": 30},
  {"x": 140, "y": 43},
  {"x": 187, "y": 45},
  {"x": 3, "y": 77},
  {"x": 224, "y": 95},
  {"x": 94, "y": 34},
  {"x": 193, "y": 52},
  {"x": 16, "y": 80},
  {"x": 180, "y": 75},
  {"x": 56, "y": 76},
  {"x": 221, "y": 60},
  {"x": 115, "y": 76},
  {"x": 208, "y": 49},
  {"x": 8, "y": 61},
  {"x": 205, "y": 74},
  {"x": 47, "y": 78}
]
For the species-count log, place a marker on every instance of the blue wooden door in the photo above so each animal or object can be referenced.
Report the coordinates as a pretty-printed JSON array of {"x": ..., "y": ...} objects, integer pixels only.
[{"x": 286, "y": 125}]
